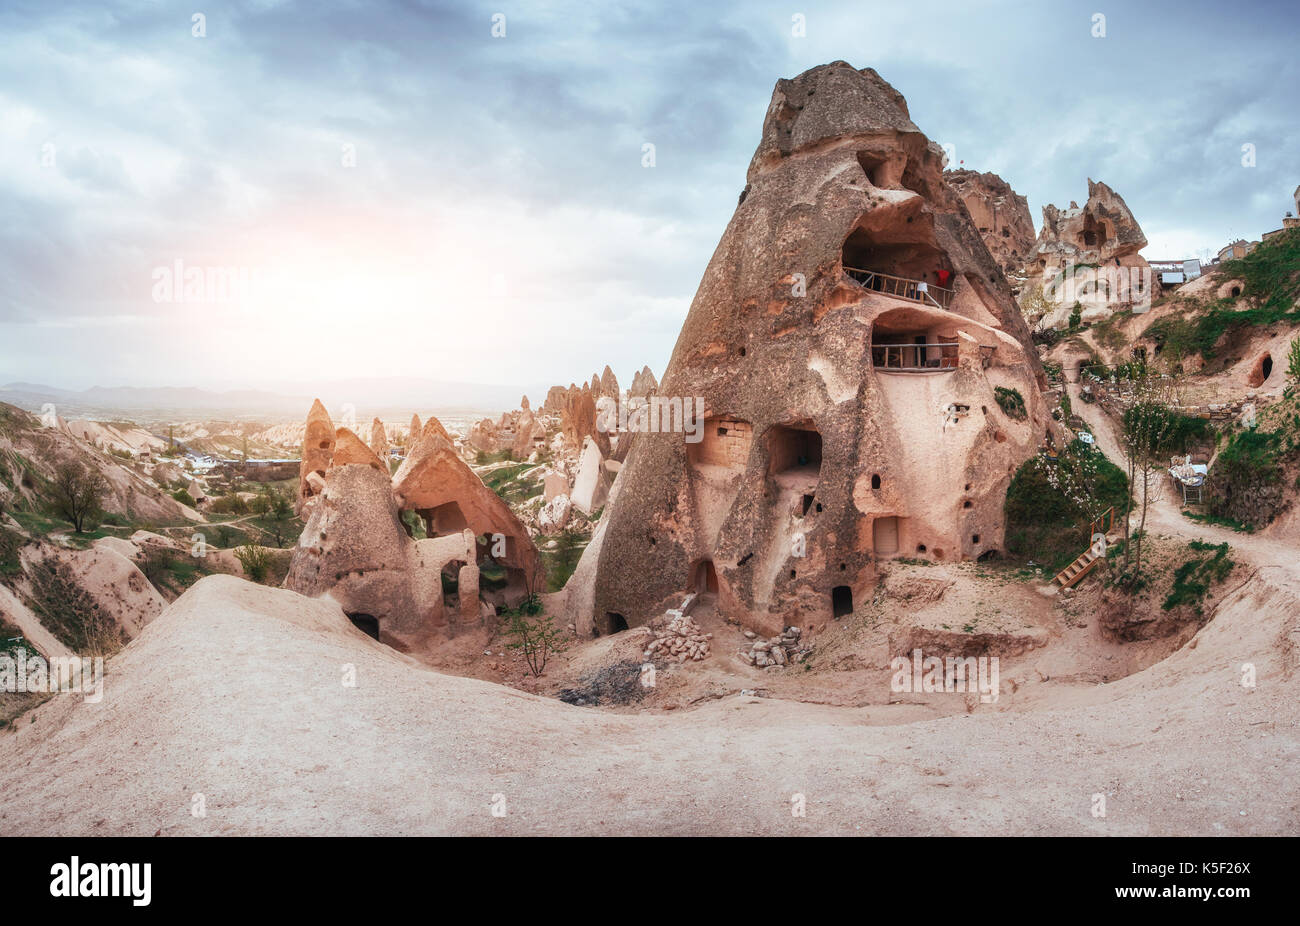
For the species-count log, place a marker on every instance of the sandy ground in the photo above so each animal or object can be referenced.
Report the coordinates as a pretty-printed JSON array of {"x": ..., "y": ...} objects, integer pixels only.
[{"x": 236, "y": 693}]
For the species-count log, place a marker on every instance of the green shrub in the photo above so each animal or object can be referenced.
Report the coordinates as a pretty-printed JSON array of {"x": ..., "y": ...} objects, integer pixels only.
[
  {"x": 256, "y": 561},
  {"x": 1050, "y": 504},
  {"x": 1245, "y": 485},
  {"x": 1270, "y": 276},
  {"x": 228, "y": 504},
  {"x": 533, "y": 635},
  {"x": 1011, "y": 402}
]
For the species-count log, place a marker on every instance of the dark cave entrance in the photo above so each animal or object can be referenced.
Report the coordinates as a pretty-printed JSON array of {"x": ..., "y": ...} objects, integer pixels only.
[{"x": 366, "y": 623}]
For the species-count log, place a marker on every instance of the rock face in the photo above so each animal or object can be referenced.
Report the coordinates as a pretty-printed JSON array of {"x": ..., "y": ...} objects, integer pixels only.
[
  {"x": 378, "y": 439},
  {"x": 643, "y": 383},
  {"x": 609, "y": 384},
  {"x": 1000, "y": 214},
  {"x": 355, "y": 548},
  {"x": 850, "y": 414},
  {"x": 590, "y": 488},
  {"x": 554, "y": 515},
  {"x": 555, "y": 484},
  {"x": 435, "y": 483},
  {"x": 348, "y": 449},
  {"x": 1101, "y": 242},
  {"x": 578, "y": 420},
  {"x": 317, "y": 450}
]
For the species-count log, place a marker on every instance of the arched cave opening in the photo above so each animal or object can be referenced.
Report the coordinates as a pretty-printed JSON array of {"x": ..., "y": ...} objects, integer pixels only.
[
  {"x": 366, "y": 623},
  {"x": 706, "y": 577},
  {"x": 615, "y": 622},
  {"x": 863, "y": 254},
  {"x": 841, "y": 601}
]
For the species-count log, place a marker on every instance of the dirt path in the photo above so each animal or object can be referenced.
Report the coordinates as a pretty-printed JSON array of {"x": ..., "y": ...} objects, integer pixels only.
[{"x": 1165, "y": 513}]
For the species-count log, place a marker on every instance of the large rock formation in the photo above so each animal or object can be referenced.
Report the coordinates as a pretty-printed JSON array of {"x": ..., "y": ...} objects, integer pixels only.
[
  {"x": 520, "y": 432},
  {"x": 1001, "y": 216},
  {"x": 1090, "y": 256},
  {"x": 609, "y": 384},
  {"x": 435, "y": 483},
  {"x": 379, "y": 439},
  {"x": 590, "y": 485},
  {"x": 349, "y": 448},
  {"x": 554, "y": 403},
  {"x": 317, "y": 451},
  {"x": 643, "y": 383},
  {"x": 578, "y": 420},
  {"x": 355, "y": 549},
  {"x": 851, "y": 411}
]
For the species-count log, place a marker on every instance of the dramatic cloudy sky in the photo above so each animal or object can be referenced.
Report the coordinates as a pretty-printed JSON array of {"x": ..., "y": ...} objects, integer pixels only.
[{"x": 419, "y": 198}]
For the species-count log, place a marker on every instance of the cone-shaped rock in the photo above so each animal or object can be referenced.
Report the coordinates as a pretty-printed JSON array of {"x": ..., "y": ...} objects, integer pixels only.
[{"x": 847, "y": 340}]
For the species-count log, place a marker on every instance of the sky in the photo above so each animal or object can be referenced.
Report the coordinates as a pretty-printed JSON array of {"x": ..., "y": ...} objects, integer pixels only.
[{"x": 395, "y": 190}]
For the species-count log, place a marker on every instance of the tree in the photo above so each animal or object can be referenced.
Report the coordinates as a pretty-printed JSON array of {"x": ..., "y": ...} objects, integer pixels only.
[
  {"x": 1150, "y": 428},
  {"x": 537, "y": 638},
  {"x": 278, "y": 509},
  {"x": 77, "y": 493}
]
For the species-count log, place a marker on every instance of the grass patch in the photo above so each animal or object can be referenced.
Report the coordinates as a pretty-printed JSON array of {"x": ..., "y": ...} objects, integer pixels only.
[
  {"x": 505, "y": 482},
  {"x": 1219, "y": 521},
  {"x": 70, "y": 613},
  {"x": 1270, "y": 277},
  {"x": 1193, "y": 579}
]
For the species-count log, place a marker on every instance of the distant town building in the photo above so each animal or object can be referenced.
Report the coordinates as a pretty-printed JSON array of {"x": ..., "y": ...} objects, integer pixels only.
[{"x": 1237, "y": 249}]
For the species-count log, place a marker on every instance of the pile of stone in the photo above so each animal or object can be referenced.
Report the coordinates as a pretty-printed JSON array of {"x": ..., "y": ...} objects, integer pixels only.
[
  {"x": 776, "y": 651},
  {"x": 681, "y": 639}
]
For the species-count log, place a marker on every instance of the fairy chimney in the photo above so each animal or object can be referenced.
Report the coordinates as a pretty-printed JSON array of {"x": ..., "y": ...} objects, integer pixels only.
[{"x": 847, "y": 340}]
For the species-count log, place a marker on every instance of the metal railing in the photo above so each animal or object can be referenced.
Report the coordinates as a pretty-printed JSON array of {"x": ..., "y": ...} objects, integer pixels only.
[
  {"x": 914, "y": 358},
  {"x": 902, "y": 287}
]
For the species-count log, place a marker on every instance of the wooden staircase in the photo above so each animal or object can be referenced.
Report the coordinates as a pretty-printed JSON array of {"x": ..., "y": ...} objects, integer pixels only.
[
  {"x": 1077, "y": 569},
  {"x": 1089, "y": 557}
]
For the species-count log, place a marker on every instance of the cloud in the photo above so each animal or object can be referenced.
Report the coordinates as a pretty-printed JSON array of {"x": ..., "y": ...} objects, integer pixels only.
[{"x": 428, "y": 199}]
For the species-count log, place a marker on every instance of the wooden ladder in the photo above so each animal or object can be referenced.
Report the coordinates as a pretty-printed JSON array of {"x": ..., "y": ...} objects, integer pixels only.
[
  {"x": 1088, "y": 558},
  {"x": 1077, "y": 569}
]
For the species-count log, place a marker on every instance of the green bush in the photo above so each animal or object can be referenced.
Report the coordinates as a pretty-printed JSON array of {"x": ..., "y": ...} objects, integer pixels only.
[
  {"x": 1050, "y": 504},
  {"x": 256, "y": 561},
  {"x": 1245, "y": 485},
  {"x": 534, "y": 635},
  {"x": 228, "y": 504},
  {"x": 1011, "y": 402}
]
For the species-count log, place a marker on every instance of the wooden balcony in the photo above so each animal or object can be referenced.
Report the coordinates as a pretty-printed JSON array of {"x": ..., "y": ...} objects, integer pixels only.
[
  {"x": 931, "y": 357},
  {"x": 902, "y": 287}
]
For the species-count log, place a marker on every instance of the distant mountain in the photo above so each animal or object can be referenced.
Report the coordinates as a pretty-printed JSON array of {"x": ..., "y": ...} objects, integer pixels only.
[{"x": 383, "y": 397}]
